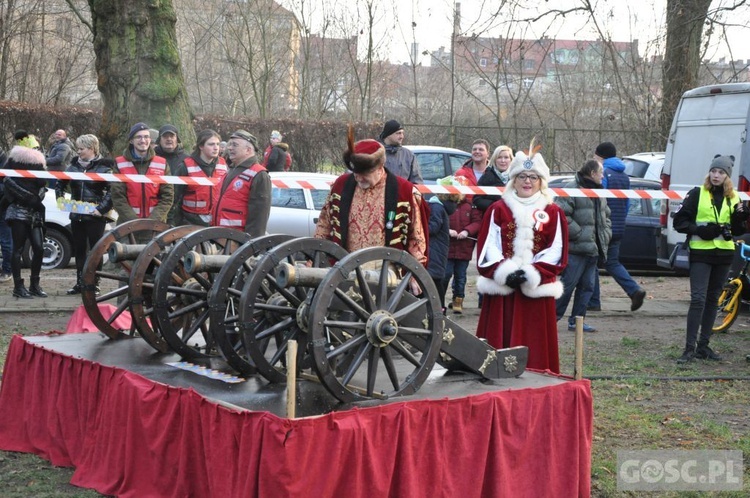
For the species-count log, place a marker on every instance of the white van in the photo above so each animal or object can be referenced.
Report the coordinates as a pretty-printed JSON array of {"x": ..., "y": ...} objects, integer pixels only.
[{"x": 709, "y": 120}]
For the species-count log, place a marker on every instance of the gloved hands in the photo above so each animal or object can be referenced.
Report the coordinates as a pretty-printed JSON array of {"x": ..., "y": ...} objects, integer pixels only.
[
  {"x": 741, "y": 213},
  {"x": 709, "y": 231},
  {"x": 515, "y": 279}
]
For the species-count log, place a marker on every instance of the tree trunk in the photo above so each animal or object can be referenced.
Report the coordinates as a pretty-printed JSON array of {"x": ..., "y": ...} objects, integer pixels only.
[
  {"x": 682, "y": 56},
  {"x": 138, "y": 69}
]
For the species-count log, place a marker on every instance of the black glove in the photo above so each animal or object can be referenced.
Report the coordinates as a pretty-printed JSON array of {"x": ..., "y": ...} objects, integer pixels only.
[
  {"x": 741, "y": 213},
  {"x": 515, "y": 279},
  {"x": 708, "y": 232}
]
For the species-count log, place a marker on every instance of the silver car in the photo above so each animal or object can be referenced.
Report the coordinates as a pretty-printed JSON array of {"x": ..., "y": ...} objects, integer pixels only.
[{"x": 295, "y": 210}]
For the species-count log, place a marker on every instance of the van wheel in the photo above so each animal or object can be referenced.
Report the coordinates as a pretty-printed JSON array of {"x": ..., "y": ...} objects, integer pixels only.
[{"x": 57, "y": 251}]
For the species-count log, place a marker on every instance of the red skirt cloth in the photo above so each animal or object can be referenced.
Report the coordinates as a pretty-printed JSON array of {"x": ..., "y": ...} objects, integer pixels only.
[{"x": 517, "y": 320}]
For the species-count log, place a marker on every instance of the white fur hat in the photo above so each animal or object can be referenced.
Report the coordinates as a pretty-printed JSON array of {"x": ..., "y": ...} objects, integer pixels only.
[{"x": 533, "y": 162}]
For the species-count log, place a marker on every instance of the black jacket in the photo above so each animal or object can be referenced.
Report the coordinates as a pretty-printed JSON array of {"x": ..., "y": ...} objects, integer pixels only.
[
  {"x": 490, "y": 178},
  {"x": 87, "y": 191}
]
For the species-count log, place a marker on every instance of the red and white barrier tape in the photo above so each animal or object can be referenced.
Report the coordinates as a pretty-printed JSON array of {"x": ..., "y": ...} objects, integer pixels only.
[{"x": 675, "y": 195}]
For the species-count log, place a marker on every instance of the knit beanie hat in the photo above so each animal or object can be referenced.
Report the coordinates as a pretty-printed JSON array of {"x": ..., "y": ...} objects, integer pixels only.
[
  {"x": 605, "y": 150},
  {"x": 390, "y": 128},
  {"x": 135, "y": 129},
  {"x": 723, "y": 162},
  {"x": 25, "y": 158},
  {"x": 276, "y": 135}
]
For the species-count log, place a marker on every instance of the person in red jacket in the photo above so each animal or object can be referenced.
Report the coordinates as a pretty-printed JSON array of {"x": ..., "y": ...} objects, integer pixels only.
[{"x": 465, "y": 223}]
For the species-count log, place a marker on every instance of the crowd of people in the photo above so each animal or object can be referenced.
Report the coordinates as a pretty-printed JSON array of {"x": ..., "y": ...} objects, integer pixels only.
[{"x": 534, "y": 252}]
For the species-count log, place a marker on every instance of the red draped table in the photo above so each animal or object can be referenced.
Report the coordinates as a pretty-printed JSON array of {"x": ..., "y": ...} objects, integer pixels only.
[{"x": 131, "y": 436}]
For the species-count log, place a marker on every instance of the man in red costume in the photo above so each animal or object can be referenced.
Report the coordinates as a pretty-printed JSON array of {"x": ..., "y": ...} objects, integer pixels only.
[
  {"x": 522, "y": 249},
  {"x": 372, "y": 207}
]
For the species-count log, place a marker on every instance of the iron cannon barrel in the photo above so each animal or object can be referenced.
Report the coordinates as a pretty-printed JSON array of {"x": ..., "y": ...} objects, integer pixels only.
[
  {"x": 288, "y": 275},
  {"x": 124, "y": 252},
  {"x": 198, "y": 262}
]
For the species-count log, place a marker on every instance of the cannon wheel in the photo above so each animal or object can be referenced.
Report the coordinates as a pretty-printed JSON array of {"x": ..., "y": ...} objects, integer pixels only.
[
  {"x": 270, "y": 315},
  {"x": 130, "y": 232},
  {"x": 224, "y": 300},
  {"x": 141, "y": 282},
  {"x": 180, "y": 299},
  {"x": 380, "y": 343}
]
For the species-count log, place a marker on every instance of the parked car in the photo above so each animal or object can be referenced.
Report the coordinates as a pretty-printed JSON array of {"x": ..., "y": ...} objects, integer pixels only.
[
  {"x": 642, "y": 229},
  {"x": 645, "y": 165},
  {"x": 295, "y": 211},
  {"x": 438, "y": 162}
]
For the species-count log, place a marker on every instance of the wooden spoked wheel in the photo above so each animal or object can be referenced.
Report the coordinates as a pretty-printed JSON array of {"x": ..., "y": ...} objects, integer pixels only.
[
  {"x": 271, "y": 315},
  {"x": 224, "y": 300},
  {"x": 180, "y": 298},
  {"x": 113, "y": 278},
  {"x": 141, "y": 282},
  {"x": 370, "y": 336}
]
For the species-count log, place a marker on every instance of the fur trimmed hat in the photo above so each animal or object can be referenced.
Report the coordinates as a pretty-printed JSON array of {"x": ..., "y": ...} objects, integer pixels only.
[
  {"x": 725, "y": 163},
  {"x": 528, "y": 161},
  {"x": 365, "y": 156},
  {"x": 25, "y": 158}
]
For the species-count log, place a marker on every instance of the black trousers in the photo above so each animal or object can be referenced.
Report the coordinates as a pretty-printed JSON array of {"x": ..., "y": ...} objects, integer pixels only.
[
  {"x": 86, "y": 233},
  {"x": 21, "y": 232}
]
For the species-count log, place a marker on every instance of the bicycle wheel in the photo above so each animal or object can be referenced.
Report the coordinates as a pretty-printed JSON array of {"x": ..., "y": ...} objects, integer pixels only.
[{"x": 729, "y": 306}]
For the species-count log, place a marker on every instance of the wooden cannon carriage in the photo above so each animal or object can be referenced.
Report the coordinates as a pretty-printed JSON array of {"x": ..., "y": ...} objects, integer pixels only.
[{"x": 215, "y": 294}]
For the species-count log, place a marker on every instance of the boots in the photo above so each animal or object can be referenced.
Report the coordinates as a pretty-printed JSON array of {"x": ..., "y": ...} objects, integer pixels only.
[
  {"x": 19, "y": 290},
  {"x": 35, "y": 289},
  {"x": 458, "y": 305},
  {"x": 76, "y": 289}
]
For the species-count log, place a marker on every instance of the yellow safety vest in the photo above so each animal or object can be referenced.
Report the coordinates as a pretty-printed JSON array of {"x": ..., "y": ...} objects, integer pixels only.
[{"x": 707, "y": 214}]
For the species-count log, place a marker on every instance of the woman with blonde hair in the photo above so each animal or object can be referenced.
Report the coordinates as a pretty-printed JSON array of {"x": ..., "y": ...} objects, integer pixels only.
[
  {"x": 496, "y": 175},
  {"x": 88, "y": 226},
  {"x": 710, "y": 215},
  {"x": 522, "y": 249}
]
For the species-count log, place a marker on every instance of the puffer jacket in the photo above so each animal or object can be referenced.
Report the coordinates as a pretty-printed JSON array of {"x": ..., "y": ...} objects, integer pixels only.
[
  {"x": 588, "y": 220},
  {"x": 468, "y": 218},
  {"x": 615, "y": 178},
  {"x": 96, "y": 192},
  {"x": 439, "y": 226},
  {"x": 60, "y": 155},
  {"x": 491, "y": 178}
]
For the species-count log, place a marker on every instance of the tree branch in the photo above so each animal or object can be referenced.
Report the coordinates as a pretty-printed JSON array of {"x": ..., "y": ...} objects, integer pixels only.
[{"x": 80, "y": 16}]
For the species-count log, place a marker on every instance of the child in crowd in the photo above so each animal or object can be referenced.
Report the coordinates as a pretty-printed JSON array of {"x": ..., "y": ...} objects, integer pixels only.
[{"x": 441, "y": 207}]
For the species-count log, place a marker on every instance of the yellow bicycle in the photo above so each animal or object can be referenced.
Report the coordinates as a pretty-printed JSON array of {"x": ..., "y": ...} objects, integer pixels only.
[{"x": 735, "y": 292}]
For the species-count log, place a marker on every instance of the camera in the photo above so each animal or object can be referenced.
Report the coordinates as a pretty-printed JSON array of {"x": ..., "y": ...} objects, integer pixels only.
[{"x": 726, "y": 232}]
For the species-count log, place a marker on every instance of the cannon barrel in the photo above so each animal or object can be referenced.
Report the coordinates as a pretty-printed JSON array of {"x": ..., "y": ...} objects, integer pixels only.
[
  {"x": 124, "y": 252},
  {"x": 288, "y": 275},
  {"x": 197, "y": 262}
]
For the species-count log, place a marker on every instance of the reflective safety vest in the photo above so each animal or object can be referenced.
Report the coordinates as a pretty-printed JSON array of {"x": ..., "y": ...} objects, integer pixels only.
[
  {"x": 707, "y": 214},
  {"x": 231, "y": 209},
  {"x": 142, "y": 197},
  {"x": 201, "y": 199}
]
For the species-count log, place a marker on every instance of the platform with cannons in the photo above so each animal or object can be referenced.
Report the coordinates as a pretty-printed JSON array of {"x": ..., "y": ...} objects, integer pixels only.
[{"x": 229, "y": 366}]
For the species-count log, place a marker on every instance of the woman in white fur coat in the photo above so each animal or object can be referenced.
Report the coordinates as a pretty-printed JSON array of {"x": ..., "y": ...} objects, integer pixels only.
[{"x": 522, "y": 249}]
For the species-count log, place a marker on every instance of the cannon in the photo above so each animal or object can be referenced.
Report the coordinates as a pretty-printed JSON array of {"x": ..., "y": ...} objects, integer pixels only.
[{"x": 368, "y": 323}]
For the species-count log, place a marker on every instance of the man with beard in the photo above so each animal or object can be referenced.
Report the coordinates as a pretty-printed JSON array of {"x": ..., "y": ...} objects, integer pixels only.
[
  {"x": 371, "y": 206},
  {"x": 399, "y": 160}
]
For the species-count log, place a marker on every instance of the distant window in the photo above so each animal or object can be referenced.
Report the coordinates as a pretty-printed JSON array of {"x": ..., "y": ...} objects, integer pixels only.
[
  {"x": 528, "y": 82},
  {"x": 483, "y": 62},
  {"x": 482, "y": 82},
  {"x": 529, "y": 64}
]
